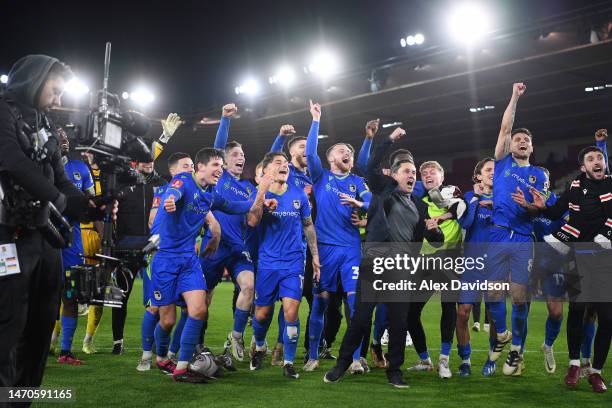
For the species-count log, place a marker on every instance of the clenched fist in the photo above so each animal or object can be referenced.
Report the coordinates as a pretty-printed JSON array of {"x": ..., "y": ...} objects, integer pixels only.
[
  {"x": 372, "y": 128},
  {"x": 229, "y": 110},
  {"x": 601, "y": 134},
  {"x": 287, "y": 130},
  {"x": 518, "y": 89}
]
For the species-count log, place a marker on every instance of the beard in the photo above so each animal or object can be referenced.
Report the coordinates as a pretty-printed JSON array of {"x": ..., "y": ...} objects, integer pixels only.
[
  {"x": 521, "y": 155},
  {"x": 343, "y": 167},
  {"x": 301, "y": 161},
  {"x": 595, "y": 176}
]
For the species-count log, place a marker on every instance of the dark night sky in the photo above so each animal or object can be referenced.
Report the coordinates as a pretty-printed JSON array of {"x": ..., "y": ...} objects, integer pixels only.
[{"x": 193, "y": 53}]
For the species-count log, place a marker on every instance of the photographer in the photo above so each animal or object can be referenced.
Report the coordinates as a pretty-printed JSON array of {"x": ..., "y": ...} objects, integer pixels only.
[
  {"x": 133, "y": 226},
  {"x": 31, "y": 171}
]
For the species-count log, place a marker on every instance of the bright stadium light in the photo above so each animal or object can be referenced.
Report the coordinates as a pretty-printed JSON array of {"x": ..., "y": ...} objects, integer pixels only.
[
  {"x": 125, "y": 95},
  {"x": 390, "y": 124},
  {"x": 76, "y": 88},
  {"x": 142, "y": 96},
  {"x": 468, "y": 23},
  {"x": 250, "y": 87},
  {"x": 323, "y": 64},
  {"x": 412, "y": 40},
  {"x": 4, "y": 79},
  {"x": 284, "y": 77}
]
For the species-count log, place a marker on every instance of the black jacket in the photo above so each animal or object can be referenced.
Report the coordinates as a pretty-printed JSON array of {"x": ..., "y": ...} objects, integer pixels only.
[
  {"x": 20, "y": 120},
  {"x": 134, "y": 207},
  {"x": 382, "y": 188},
  {"x": 590, "y": 210}
]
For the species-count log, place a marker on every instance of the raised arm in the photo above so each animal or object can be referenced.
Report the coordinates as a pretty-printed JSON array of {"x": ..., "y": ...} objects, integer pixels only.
[
  {"x": 169, "y": 127},
  {"x": 503, "y": 139},
  {"x": 376, "y": 179},
  {"x": 364, "y": 153},
  {"x": 601, "y": 137},
  {"x": 312, "y": 158},
  {"x": 223, "y": 131},
  {"x": 279, "y": 142}
]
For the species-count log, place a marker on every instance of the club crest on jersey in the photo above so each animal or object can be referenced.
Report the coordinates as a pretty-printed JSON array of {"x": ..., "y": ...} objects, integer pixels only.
[
  {"x": 226, "y": 185},
  {"x": 157, "y": 295},
  {"x": 76, "y": 175},
  {"x": 297, "y": 204},
  {"x": 532, "y": 179},
  {"x": 507, "y": 173},
  {"x": 177, "y": 183},
  {"x": 352, "y": 188},
  {"x": 328, "y": 187}
]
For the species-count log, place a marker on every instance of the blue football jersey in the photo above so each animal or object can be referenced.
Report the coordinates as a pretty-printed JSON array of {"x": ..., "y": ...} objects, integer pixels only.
[
  {"x": 298, "y": 178},
  {"x": 477, "y": 219},
  {"x": 333, "y": 223},
  {"x": 509, "y": 175},
  {"x": 280, "y": 243},
  {"x": 233, "y": 226},
  {"x": 77, "y": 172},
  {"x": 178, "y": 230},
  {"x": 157, "y": 195}
]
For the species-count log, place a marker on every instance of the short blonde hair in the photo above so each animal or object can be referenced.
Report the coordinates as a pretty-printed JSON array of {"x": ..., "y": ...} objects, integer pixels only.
[{"x": 431, "y": 163}]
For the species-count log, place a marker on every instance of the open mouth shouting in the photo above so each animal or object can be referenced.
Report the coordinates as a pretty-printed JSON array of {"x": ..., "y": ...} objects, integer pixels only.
[
  {"x": 429, "y": 182},
  {"x": 598, "y": 171},
  {"x": 216, "y": 176}
]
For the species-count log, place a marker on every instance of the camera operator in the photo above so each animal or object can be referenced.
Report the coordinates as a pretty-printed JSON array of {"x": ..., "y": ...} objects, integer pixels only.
[
  {"x": 133, "y": 225},
  {"x": 32, "y": 171}
]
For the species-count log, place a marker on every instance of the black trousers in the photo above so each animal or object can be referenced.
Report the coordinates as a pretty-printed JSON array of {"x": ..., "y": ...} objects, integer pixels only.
[
  {"x": 448, "y": 321},
  {"x": 29, "y": 303},
  {"x": 603, "y": 337},
  {"x": 360, "y": 326},
  {"x": 125, "y": 280}
]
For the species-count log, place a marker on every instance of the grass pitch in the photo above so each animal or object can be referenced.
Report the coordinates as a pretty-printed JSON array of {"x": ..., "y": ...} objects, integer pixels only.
[{"x": 108, "y": 380}]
